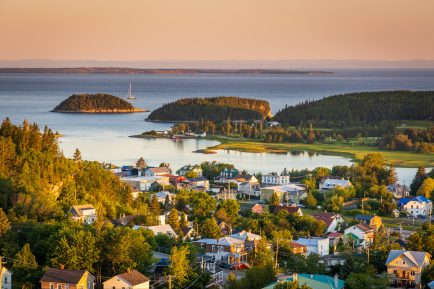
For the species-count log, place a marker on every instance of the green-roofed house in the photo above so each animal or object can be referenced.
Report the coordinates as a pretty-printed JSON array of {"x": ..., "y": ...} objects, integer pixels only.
[{"x": 314, "y": 281}]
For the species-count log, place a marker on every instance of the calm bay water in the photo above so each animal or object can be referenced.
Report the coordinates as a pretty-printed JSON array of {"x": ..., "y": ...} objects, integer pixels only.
[{"x": 105, "y": 137}]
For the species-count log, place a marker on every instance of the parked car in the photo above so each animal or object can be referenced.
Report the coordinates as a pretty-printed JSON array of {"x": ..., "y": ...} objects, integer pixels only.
[
  {"x": 239, "y": 266},
  {"x": 421, "y": 216}
]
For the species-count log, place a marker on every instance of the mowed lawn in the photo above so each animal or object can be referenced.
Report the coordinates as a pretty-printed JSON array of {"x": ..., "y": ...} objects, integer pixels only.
[{"x": 354, "y": 151}]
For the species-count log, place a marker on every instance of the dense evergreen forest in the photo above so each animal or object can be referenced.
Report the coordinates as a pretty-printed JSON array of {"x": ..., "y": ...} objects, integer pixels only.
[
  {"x": 360, "y": 109},
  {"x": 215, "y": 109},
  {"x": 37, "y": 182},
  {"x": 94, "y": 103}
]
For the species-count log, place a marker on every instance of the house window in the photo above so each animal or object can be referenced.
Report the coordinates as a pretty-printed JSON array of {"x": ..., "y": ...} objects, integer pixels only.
[
  {"x": 51, "y": 286},
  {"x": 59, "y": 286},
  {"x": 403, "y": 262},
  {"x": 6, "y": 280},
  {"x": 213, "y": 248},
  {"x": 412, "y": 273},
  {"x": 114, "y": 287}
]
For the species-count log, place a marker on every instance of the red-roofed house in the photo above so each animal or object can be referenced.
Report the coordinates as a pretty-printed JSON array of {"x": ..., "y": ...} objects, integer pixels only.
[
  {"x": 297, "y": 248},
  {"x": 332, "y": 220}
]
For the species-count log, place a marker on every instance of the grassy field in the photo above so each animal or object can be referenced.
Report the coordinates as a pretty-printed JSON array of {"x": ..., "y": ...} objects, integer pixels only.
[
  {"x": 421, "y": 124},
  {"x": 349, "y": 149}
]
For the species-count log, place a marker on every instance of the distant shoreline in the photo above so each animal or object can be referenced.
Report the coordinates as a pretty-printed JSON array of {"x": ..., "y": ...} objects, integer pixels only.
[{"x": 174, "y": 71}]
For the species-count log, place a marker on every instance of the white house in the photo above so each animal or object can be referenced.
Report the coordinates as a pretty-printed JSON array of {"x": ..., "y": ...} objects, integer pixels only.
[
  {"x": 332, "y": 220},
  {"x": 416, "y": 206},
  {"x": 144, "y": 183},
  {"x": 5, "y": 278},
  {"x": 251, "y": 189},
  {"x": 160, "y": 171},
  {"x": 315, "y": 245},
  {"x": 330, "y": 183},
  {"x": 292, "y": 193},
  {"x": 361, "y": 234},
  {"x": 84, "y": 213},
  {"x": 132, "y": 279},
  {"x": 273, "y": 179},
  {"x": 165, "y": 229}
]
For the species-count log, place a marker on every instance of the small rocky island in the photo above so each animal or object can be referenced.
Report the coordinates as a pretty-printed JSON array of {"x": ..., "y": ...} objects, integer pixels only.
[{"x": 96, "y": 103}]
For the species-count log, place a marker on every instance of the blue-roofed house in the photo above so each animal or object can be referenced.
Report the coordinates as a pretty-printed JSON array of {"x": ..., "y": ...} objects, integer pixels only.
[
  {"x": 314, "y": 281},
  {"x": 415, "y": 206},
  {"x": 404, "y": 268}
]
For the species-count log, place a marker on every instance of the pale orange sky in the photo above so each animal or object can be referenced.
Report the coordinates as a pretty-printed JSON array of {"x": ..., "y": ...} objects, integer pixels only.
[{"x": 216, "y": 29}]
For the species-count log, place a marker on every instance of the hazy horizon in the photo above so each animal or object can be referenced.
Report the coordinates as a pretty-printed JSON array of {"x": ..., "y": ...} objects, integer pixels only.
[{"x": 296, "y": 64}]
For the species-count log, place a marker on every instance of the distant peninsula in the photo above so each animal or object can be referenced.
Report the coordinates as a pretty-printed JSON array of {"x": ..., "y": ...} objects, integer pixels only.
[
  {"x": 126, "y": 70},
  {"x": 216, "y": 109},
  {"x": 360, "y": 109},
  {"x": 96, "y": 103}
]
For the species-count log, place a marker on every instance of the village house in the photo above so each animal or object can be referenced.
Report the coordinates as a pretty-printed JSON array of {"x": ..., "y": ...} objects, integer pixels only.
[
  {"x": 360, "y": 234},
  {"x": 144, "y": 183},
  {"x": 314, "y": 281},
  {"x": 250, "y": 239},
  {"x": 291, "y": 193},
  {"x": 67, "y": 279},
  {"x": 398, "y": 191},
  {"x": 333, "y": 260},
  {"x": 292, "y": 210},
  {"x": 297, "y": 248},
  {"x": 225, "y": 175},
  {"x": 84, "y": 213},
  {"x": 159, "y": 171},
  {"x": 188, "y": 233},
  {"x": 330, "y": 183},
  {"x": 161, "y": 196},
  {"x": 404, "y": 268},
  {"x": 416, "y": 206},
  {"x": 5, "y": 277},
  {"x": 197, "y": 183},
  {"x": 250, "y": 189},
  {"x": 208, "y": 264},
  {"x": 227, "y": 249},
  {"x": 274, "y": 179},
  {"x": 315, "y": 245},
  {"x": 132, "y": 279},
  {"x": 225, "y": 228},
  {"x": 332, "y": 220},
  {"x": 164, "y": 229},
  {"x": 374, "y": 222},
  {"x": 197, "y": 170}
]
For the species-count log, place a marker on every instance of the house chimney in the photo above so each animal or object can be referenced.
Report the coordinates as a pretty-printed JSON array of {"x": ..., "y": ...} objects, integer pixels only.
[
  {"x": 336, "y": 281},
  {"x": 62, "y": 266}
]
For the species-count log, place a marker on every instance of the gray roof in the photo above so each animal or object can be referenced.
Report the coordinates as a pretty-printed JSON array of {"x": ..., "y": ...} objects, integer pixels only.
[{"x": 416, "y": 257}]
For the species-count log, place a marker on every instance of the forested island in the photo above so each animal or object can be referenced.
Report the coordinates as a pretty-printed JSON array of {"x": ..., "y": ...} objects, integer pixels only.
[
  {"x": 96, "y": 103},
  {"x": 216, "y": 109},
  {"x": 126, "y": 70},
  {"x": 360, "y": 109}
]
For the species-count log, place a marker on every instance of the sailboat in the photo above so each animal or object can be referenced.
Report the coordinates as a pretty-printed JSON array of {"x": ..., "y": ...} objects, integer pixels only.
[{"x": 130, "y": 95}]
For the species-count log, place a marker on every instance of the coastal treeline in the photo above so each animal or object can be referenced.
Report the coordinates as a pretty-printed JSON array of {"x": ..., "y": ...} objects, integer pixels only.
[
  {"x": 93, "y": 102},
  {"x": 361, "y": 109},
  {"x": 216, "y": 109}
]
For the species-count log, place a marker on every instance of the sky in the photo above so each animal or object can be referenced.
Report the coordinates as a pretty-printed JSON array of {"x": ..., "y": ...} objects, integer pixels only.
[{"x": 182, "y": 30}]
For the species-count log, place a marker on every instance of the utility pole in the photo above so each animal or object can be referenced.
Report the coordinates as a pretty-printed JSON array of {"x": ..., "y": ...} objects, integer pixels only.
[{"x": 170, "y": 281}]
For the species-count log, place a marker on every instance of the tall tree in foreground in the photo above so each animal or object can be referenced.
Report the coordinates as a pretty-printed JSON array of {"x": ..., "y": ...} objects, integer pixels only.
[
  {"x": 418, "y": 180},
  {"x": 179, "y": 265}
]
